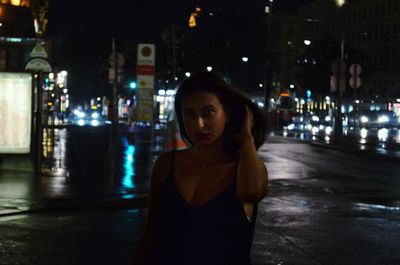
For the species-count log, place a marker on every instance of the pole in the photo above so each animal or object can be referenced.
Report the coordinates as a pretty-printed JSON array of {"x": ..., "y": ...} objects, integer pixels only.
[
  {"x": 338, "y": 123},
  {"x": 114, "y": 122},
  {"x": 355, "y": 83},
  {"x": 267, "y": 79},
  {"x": 114, "y": 119},
  {"x": 39, "y": 128},
  {"x": 227, "y": 52},
  {"x": 173, "y": 42}
]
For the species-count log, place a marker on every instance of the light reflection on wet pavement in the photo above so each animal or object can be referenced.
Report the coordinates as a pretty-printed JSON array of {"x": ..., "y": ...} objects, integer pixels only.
[
  {"x": 323, "y": 207},
  {"x": 383, "y": 141},
  {"x": 79, "y": 162},
  {"x": 327, "y": 207}
]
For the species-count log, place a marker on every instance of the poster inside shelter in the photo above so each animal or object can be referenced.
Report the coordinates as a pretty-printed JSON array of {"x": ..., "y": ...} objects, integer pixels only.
[{"x": 15, "y": 112}]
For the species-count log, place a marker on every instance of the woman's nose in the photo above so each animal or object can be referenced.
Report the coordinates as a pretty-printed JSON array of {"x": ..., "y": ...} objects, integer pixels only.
[{"x": 200, "y": 122}]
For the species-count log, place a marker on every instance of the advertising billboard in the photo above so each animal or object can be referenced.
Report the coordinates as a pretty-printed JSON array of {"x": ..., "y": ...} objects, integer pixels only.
[{"x": 15, "y": 112}]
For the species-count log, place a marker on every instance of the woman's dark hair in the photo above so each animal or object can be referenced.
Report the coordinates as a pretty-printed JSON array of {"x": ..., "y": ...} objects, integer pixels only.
[{"x": 233, "y": 102}]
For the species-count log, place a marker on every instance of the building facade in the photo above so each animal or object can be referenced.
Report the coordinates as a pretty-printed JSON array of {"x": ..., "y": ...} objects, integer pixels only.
[
  {"x": 22, "y": 24},
  {"x": 373, "y": 27}
]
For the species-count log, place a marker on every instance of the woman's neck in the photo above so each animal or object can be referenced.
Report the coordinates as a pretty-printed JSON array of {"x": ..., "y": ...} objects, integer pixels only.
[{"x": 211, "y": 153}]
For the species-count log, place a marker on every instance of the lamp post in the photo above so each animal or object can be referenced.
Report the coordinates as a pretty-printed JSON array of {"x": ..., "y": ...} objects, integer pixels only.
[
  {"x": 267, "y": 78},
  {"x": 340, "y": 68},
  {"x": 244, "y": 73}
]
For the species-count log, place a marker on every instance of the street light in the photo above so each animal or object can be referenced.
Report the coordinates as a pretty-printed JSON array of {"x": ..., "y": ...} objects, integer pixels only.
[
  {"x": 268, "y": 7},
  {"x": 340, "y": 3},
  {"x": 307, "y": 42},
  {"x": 267, "y": 70},
  {"x": 209, "y": 68},
  {"x": 338, "y": 122},
  {"x": 245, "y": 59}
]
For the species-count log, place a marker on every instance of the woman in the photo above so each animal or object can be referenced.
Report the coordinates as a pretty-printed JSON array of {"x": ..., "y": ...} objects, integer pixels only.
[{"x": 203, "y": 199}]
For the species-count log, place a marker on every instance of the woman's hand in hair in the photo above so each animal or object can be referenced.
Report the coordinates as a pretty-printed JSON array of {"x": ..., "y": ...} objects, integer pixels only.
[
  {"x": 251, "y": 188},
  {"x": 245, "y": 131}
]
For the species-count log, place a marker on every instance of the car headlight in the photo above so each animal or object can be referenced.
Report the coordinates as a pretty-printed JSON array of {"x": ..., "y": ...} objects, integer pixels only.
[
  {"x": 364, "y": 119},
  {"x": 94, "y": 123},
  {"x": 383, "y": 119},
  {"x": 328, "y": 130},
  {"x": 95, "y": 115},
  {"x": 315, "y": 118},
  {"x": 328, "y": 118},
  {"x": 315, "y": 130}
]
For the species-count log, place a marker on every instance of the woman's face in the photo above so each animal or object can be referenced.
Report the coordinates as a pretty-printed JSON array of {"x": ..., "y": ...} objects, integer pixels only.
[{"x": 204, "y": 117}]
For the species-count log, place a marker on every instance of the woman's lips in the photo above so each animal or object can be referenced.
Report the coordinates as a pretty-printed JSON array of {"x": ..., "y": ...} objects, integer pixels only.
[{"x": 202, "y": 136}]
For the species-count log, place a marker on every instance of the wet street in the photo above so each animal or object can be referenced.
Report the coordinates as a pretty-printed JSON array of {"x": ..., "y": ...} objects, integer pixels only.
[
  {"x": 381, "y": 140},
  {"x": 324, "y": 206},
  {"x": 327, "y": 207},
  {"x": 88, "y": 158}
]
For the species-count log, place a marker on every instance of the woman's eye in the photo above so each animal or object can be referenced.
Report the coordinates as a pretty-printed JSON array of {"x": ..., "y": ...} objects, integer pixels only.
[{"x": 209, "y": 112}]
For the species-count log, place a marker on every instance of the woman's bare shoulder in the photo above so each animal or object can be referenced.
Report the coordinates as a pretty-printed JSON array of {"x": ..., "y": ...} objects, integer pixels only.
[{"x": 164, "y": 161}]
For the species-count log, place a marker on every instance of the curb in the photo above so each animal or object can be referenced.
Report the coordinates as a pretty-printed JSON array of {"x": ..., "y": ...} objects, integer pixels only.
[{"x": 76, "y": 205}]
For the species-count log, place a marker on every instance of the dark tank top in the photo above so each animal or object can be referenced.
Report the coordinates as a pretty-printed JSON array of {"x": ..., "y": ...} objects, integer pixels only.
[{"x": 216, "y": 232}]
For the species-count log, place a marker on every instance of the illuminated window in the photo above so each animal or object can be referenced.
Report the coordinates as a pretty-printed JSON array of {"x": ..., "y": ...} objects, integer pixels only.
[
  {"x": 26, "y": 3},
  {"x": 192, "y": 19}
]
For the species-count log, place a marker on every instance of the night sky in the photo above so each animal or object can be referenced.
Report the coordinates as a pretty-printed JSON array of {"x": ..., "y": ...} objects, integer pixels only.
[{"x": 86, "y": 28}]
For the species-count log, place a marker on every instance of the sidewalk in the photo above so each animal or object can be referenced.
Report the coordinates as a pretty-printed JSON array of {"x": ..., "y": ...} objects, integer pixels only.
[
  {"x": 22, "y": 192},
  {"x": 60, "y": 188}
]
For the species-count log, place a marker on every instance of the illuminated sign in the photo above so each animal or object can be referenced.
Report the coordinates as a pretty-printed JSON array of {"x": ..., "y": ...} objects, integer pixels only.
[
  {"x": 38, "y": 64},
  {"x": 15, "y": 112},
  {"x": 145, "y": 78}
]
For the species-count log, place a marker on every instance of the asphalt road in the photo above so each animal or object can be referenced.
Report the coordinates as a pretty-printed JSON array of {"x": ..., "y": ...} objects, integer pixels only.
[
  {"x": 327, "y": 207},
  {"x": 73, "y": 238},
  {"x": 384, "y": 140}
]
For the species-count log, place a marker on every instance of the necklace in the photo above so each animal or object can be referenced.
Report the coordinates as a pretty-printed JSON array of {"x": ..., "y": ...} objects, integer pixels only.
[{"x": 197, "y": 162}]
